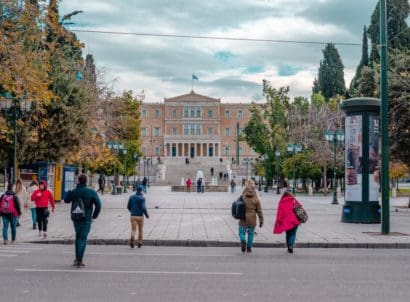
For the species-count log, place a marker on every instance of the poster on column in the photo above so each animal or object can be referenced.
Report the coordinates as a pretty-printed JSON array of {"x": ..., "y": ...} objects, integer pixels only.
[
  {"x": 353, "y": 158},
  {"x": 374, "y": 166}
]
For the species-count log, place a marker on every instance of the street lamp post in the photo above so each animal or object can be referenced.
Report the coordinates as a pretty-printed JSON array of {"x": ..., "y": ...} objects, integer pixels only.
[
  {"x": 294, "y": 148},
  {"x": 277, "y": 156},
  {"x": 247, "y": 161},
  {"x": 19, "y": 110},
  {"x": 136, "y": 157},
  {"x": 125, "y": 178},
  {"x": 337, "y": 137},
  {"x": 115, "y": 147}
]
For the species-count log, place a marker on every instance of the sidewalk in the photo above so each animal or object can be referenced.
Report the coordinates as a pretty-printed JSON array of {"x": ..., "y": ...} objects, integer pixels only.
[{"x": 204, "y": 220}]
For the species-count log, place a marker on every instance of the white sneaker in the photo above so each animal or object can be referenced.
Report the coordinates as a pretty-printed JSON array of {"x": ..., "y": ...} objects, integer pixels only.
[
  {"x": 44, "y": 235},
  {"x": 40, "y": 234}
]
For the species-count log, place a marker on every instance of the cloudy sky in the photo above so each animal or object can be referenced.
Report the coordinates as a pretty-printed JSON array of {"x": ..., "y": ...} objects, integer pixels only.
[{"x": 231, "y": 70}]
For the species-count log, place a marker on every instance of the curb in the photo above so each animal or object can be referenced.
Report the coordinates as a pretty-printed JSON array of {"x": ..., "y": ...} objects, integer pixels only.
[{"x": 203, "y": 243}]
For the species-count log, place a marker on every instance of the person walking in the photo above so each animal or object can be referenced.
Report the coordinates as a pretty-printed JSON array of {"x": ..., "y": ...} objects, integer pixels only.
[
  {"x": 10, "y": 210},
  {"x": 101, "y": 184},
  {"x": 136, "y": 207},
  {"x": 286, "y": 220},
  {"x": 233, "y": 185},
  {"x": 243, "y": 182},
  {"x": 85, "y": 206},
  {"x": 253, "y": 208},
  {"x": 188, "y": 183},
  {"x": 21, "y": 193},
  {"x": 43, "y": 198},
  {"x": 212, "y": 171},
  {"x": 199, "y": 185},
  {"x": 32, "y": 206},
  {"x": 144, "y": 184}
]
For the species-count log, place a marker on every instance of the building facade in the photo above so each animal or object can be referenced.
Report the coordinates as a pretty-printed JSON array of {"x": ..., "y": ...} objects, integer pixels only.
[{"x": 193, "y": 125}]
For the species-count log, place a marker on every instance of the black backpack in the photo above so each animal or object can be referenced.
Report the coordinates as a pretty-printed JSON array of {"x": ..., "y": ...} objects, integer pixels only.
[
  {"x": 77, "y": 209},
  {"x": 238, "y": 208}
]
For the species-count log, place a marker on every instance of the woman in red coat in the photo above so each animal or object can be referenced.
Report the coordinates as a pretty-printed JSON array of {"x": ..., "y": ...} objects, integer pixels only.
[
  {"x": 42, "y": 198},
  {"x": 286, "y": 220}
]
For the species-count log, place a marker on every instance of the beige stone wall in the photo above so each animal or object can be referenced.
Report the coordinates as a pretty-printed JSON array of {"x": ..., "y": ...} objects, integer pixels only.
[{"x": 213, "y": 116}]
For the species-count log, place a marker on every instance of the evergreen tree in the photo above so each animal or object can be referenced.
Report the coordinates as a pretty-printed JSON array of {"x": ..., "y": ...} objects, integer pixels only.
[
  {"x": 398, "y": 32},
  {"x": 330, "y": 79},
  {"x": 367, "y": 83},
  {"x": 364, "y": 61}
]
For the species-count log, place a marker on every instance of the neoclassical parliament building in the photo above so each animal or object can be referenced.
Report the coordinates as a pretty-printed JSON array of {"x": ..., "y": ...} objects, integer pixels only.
[{"x": 193, "y": 126}]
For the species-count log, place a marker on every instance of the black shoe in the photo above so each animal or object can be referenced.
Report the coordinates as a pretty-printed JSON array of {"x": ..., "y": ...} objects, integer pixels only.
[
  {"x": 34, "y": 227},
  {"x": 243, "y": 246},
  {"x": 290, "y": 249},
  {"x": 132, "y": 244},
  {"x": 75, "y": 262},
  {"x": 80, "y": 264},
  {"x": 18, "y": 224},
  {"x": 249, "y": 250},
  {"x": 139, "y": 245}
]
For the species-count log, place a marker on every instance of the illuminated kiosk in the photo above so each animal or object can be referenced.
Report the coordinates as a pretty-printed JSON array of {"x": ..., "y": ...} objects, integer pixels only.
[{"x": 362, "y": 168}]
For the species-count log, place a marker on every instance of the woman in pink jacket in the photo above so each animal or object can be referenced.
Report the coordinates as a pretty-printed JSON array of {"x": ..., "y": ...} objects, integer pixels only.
[{"x": 286, "y": 220}]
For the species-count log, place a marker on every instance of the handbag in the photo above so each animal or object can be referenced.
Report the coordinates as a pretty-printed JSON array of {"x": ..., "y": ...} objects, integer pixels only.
[{"x": 300, "y": 213}]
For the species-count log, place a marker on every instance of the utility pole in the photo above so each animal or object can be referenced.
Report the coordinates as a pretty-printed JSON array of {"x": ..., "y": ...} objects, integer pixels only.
[{"x": 384, "y": 119}]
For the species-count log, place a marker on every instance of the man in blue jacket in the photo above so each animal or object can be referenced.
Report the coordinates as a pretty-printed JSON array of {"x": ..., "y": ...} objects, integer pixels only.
[
  {"x": 136, "y": 206},
  {"x": 82, "y": 201}
]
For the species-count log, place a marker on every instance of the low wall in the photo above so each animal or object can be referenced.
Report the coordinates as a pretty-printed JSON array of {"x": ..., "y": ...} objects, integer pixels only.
[{"x": 208, "y": 188}]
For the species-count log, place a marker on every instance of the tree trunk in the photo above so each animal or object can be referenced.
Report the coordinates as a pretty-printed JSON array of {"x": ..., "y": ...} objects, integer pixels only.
[{"x": 325, "y": 178}]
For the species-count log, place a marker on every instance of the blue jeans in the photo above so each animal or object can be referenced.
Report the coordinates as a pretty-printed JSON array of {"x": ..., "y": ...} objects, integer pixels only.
[
  {"x": 242, "y": 234},
  {"x": 291, "y": 236},
  {"x": 82, "y": 228},
  {"x": 12, "y": 221},
  {"x": 33, "y": 215}
]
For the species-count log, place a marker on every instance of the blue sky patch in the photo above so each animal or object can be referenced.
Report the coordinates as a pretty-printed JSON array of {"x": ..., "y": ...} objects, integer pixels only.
[
  {"x": 287, "y": 70},
  {"x": 254, "y": 69},
  {"x": 224, "y": 56}
]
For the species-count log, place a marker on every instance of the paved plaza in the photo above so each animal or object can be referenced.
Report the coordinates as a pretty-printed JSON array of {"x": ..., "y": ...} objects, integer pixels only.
[{"x": 182, "y": 219}]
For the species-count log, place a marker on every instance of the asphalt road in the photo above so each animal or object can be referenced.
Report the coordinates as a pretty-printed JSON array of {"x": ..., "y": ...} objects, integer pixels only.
[{"x": 117, "y": 273}]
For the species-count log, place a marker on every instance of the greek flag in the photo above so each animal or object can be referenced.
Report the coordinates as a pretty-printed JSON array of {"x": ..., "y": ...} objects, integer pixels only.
[{"x": 194, "y": 77}]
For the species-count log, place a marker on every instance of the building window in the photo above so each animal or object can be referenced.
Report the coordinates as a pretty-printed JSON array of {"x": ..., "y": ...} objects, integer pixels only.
[
  {"x": 227, "y": 131},
  {"x": 209, "y": 113},
  {"x": 210, "y": 131},
  {"x": 144, "y": 131},
  {"x": 186, "y": 129},
  {"x": 240, "y": 150},
  {"x": 192, "y": 129},
  {"x": 240, "y": 114},
  {"x": 156, "y": 131},
  {"x": 157, "y": 113},
  {"x": 174, "y": 114},
  {"x": 186, "y": 112},
  {"x": 143, "y": 150},
  {"x": 144, "y": 113},
  {"x": 174, "y": 131},
  {"x": 198, "y": 112},
  {"x": 240, "y": 131},
  {"x": 157, "y": 151},
  {"x": 227, "y": 114},
  {"x": 193, "y": 111}
]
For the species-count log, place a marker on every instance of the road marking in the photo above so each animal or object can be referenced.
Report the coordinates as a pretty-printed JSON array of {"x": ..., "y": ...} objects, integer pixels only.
[
  {"x": 33, "y": 270},
  {"x": 8, "y": 255},
  {"x": 20, "y": 248},
  {"x": 14, "y": 251},
  {"x": 147, "y": 255}
]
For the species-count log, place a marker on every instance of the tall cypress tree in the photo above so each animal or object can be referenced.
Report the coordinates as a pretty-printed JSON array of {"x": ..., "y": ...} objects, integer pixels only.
[
  {"x": 330, "y": 80},
  {"x": 364, "y": 61}
]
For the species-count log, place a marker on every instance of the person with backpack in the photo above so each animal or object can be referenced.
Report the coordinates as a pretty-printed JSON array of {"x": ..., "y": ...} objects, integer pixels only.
[
  {"x": 136, "y": 207},
  {"x": 43, "y": 198},
  {"x": 85, "y": 206},
  {"x": 9, "y": 210},
  {"x": 253, "y": 208},
  {"x": 32, "y": 206},
  {"x": 286, "y": 220}
]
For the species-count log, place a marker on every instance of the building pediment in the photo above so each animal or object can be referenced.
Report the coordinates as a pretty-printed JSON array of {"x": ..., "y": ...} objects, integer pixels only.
[{"x": 192, "y": 97}]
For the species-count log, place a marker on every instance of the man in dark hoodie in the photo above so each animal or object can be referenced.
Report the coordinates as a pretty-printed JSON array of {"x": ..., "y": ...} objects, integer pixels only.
[
  {"x": 137, "y": 208},
  {"x": 9, "y": 210},
  {"x": 83, "y": 200}
]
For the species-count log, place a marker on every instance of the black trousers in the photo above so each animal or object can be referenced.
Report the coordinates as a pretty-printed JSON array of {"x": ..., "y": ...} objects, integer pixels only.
[{"x": 42, "y": 218}]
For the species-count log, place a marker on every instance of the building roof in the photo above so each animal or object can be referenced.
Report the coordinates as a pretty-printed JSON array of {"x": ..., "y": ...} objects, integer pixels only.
[{"x": 192, "y": 96}]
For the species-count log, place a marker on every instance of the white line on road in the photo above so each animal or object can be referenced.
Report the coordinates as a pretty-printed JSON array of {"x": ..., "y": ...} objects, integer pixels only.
[
  {"x": 13, "y": 251},
  {"x": 148, "y": 255},
  {"x": 33, "y": 270},
  {"x": 8, "y": 255}
]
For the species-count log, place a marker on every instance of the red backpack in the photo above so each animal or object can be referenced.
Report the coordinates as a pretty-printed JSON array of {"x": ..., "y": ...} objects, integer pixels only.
[{"x": 7, "y": 205}]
